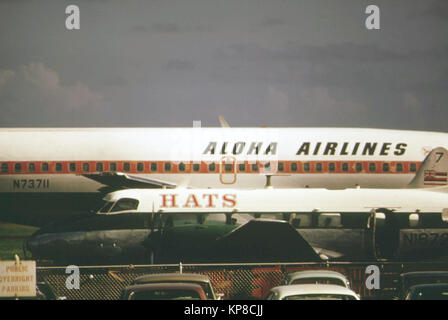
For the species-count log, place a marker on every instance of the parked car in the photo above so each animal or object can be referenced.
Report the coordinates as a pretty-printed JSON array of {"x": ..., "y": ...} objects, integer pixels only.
[
  {"x": 316, "y": 277},
  {"x": 311, "y": 292},
  {"x": 410, "y": 279},
  {"x": 164, "y": 291},
  {"x": 202, "y": 280},
  {"x": 435, "y": 291}
]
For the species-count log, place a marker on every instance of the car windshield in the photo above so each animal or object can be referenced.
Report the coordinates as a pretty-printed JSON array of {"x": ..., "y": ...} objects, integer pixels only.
[
  {"x": 272, "y": 296},
  {"x": 319, "y": 280},
  {"x": 320, "y": 297},
  {"x": 408, "y": 283},
  {"x": 165, "y": 295}
]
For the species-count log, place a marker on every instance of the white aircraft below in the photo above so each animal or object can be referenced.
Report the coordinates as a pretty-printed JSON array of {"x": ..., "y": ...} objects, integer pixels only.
[{"x": 271, "y": 201}]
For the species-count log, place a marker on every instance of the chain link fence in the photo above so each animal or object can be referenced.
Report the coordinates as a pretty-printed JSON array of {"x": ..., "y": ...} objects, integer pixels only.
[{"x": 235, "y": 281}]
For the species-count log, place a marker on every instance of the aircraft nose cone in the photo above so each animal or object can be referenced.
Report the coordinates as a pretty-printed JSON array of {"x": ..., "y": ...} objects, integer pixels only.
[
  {"x": 46, "y": 245},
  {"x": 32, "y": 242}
]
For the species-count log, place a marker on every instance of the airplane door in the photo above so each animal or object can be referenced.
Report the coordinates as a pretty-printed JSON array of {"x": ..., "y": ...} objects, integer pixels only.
[
  {"x": 384, "y": 234},
  {"x": 228, "y": 170}
]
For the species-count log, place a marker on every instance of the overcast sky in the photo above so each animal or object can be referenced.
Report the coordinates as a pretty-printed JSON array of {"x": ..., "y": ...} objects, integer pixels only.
[{"x": 278, "y": 63}]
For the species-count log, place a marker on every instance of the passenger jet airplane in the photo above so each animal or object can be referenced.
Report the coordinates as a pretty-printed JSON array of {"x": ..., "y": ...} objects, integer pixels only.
[{"x": 49, "y": 171}]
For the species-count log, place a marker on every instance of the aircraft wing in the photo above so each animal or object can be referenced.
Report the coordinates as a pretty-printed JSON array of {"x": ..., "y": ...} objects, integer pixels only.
[
  {"x": 261, "y": 238},
  {"x": 119, "y": 180}
]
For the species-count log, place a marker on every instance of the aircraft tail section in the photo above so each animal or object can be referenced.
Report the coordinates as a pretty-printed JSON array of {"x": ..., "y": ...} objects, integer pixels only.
[{"x": 434, "y": 170}]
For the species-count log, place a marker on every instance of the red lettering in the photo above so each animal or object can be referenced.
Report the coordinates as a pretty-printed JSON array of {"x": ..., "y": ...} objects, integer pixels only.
[
  {"x": 230, "y": 199},
  {"x": 210, "y": 200},
  {"x": 171, "y": 200},
  {"x": 191, "y": 202}
]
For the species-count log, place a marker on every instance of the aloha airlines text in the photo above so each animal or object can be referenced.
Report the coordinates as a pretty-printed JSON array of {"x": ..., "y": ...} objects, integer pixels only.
[{"x": 308, "y": 148}]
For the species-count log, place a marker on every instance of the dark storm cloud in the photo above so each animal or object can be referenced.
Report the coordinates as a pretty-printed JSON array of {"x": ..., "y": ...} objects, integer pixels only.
[
  {"x": 346, "y": 51},
  {"x": 346, "y": 70},
  {"x": 438, "y": 9},
  {"x": 351, "y": 52},
  {"x": 349, "y": 82},
  {"x": 274, "y": 63},
  {"x": 167, "y": 27},
  {"x": 140, "y": 28},
  {"x": 118, "y": 80},
  {"x": 175, "y": 64},
  {"x": 271, "y": 22}
]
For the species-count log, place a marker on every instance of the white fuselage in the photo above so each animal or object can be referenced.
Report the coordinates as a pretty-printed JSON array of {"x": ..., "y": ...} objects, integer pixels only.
[
  {"x": 47, "y": 160},
  {"x": 268, "y": 200}
]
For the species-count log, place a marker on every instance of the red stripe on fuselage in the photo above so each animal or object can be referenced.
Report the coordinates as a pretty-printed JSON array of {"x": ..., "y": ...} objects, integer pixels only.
[{"x": 189, "y": 167}]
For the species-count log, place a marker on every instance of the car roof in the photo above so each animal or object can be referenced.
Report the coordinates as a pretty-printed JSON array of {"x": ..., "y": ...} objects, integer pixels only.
[
  {"x": 164, "y": 285},
  {"x": 429, "y": 285},
  {"x": 423, "y": 273},
  {"x": 160, "y": 277},
  {"x": 299, "y": 289},
  {"x": 316, "y": 273}
]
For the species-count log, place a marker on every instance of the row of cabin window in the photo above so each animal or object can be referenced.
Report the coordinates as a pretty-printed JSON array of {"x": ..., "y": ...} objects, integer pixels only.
[
  {"x": 331, "y": 167},
  {"x": 346, "y": 167},
  {"x": 99, "y": 167},
  {"x": 228, "y": 167}
]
